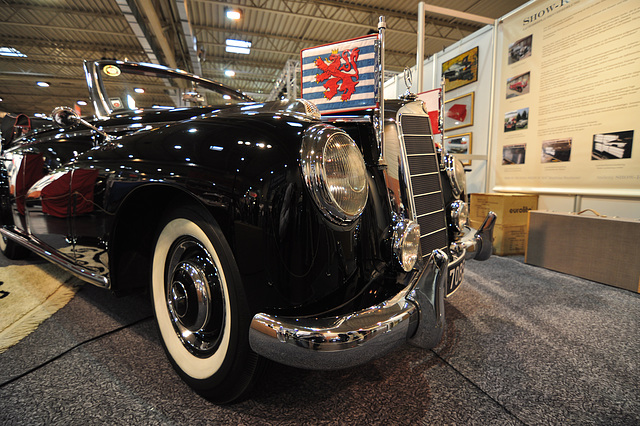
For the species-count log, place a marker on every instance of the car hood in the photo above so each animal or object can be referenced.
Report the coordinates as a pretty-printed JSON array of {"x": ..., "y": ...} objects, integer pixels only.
[{"x": 128, "y": 121}]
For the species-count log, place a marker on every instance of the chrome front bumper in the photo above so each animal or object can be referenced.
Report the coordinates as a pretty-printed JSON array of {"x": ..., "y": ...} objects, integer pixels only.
[{"x": 415, "y": 315}]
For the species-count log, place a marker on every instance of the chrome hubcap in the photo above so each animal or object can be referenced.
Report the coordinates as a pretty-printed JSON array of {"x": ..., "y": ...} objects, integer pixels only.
[{"x": 194, "y": 297}]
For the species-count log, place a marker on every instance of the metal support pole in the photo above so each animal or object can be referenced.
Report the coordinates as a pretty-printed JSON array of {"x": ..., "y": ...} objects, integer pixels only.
[
  {"x": 490, "y": 141},
  {"x": 420, "y": 50},
  {"x": 577, "y": 204}
]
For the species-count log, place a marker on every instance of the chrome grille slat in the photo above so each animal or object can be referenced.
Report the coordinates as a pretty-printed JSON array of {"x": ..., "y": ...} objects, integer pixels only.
[{"x": 424, "y": 176}]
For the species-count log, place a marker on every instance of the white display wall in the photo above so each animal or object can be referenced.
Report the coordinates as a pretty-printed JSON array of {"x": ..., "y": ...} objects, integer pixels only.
[
  {"x": 476, "y": 160},
  {"x": 554, "y": 105}
]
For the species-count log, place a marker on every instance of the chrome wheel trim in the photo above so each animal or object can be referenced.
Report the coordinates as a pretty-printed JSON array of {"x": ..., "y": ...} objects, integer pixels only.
[
  {"x": 193, "y": 297},
  {"x": 197, "y": 367}
]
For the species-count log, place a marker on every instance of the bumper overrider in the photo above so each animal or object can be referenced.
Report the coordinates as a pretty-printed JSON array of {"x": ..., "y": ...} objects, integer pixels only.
[{"x": 414, "y": 315}]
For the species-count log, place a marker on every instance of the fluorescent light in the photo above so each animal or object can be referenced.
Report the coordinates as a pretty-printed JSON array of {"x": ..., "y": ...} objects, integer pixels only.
[
  {"x": 238, "y": 46},
  {"x": 238, "y": 43},
  {"x": 81, "y": 103},
  {"x": 10, "y": 51},
  {"x": 230, "y": 73},
  {"x": 240, "y": 50},
  {"x": 42, "y": 84},
  {"x": 138, "y": 90}
]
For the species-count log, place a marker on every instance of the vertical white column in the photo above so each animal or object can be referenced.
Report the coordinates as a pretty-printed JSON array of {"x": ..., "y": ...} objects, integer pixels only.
[{"x": 420, "y": 50}]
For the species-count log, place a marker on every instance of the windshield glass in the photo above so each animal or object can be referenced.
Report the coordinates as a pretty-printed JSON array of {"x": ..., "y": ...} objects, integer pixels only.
[{"x": 141, "y": 86}]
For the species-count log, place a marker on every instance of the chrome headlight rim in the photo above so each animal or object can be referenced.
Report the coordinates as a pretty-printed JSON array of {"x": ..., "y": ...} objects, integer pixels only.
[
  {"x": 317, "y": 179},
  {"x": 456, "y": 174},
  {"x": 406, "y": 243}
]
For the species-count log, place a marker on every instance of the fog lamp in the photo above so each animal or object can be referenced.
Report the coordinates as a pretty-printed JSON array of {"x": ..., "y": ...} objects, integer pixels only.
[
  {"x": 406, "y": 243},
  {"x": 459, "y": 211}
]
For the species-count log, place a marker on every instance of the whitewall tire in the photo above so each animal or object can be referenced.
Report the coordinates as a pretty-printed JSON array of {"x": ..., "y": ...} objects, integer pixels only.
[{"x": 200, "y": 307}]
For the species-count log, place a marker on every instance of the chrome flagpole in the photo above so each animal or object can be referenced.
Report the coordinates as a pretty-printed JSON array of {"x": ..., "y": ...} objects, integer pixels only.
[
  {"x": 382, "y": 26},
  {"x": 441, "y": 119}
]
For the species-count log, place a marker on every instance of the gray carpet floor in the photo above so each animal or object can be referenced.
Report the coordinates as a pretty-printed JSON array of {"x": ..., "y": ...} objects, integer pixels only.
[{"x": 523, "y": 345}]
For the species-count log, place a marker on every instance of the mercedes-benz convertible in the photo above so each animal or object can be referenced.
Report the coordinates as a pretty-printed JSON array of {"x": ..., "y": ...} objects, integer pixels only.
[{"x": 263, "y": 231}]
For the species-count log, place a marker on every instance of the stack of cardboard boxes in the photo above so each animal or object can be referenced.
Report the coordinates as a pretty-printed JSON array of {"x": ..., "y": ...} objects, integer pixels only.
[{"x": 510, "y": 232}]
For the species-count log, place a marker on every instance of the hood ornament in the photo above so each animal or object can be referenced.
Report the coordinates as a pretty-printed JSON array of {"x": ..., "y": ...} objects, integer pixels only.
[{"x": 408, "y": 82}]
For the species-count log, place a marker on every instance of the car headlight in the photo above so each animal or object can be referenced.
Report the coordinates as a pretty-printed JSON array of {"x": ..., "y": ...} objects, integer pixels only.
[
  {"x": 334, "y": 172},
  {"x": 455, "y": 172}
]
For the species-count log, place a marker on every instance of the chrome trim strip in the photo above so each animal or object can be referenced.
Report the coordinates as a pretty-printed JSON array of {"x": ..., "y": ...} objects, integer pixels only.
[
  {"x": 428, "y": 193},
  {"x": 424, "y": 174},
  {"x": 346, "y": 119},
  {"x": 415, "y": 314},
  {"x": 431, "y": 233},
  {"x": 405, "y": 170},
  {"x": 53, "y": 256},
  {"x": 430, "y": 213}
]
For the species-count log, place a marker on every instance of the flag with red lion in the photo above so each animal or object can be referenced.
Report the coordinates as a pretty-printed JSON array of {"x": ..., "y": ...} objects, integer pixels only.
[{"x": 341, "y": 76}]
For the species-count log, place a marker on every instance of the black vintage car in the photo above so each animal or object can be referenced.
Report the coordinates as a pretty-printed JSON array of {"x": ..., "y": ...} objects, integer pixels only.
[{"x": 262, "y": 230}]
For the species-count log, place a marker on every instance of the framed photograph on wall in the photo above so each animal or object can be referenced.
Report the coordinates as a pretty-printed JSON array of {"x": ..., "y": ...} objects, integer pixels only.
[
  {"x": 461, "y": 70},
  {"x": 458, "y": 144},
  {"x": 458, "y": 112}
]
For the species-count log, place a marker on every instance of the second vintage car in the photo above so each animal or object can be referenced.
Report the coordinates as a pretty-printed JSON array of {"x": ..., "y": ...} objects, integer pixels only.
[{"x": 261, "y": 230}]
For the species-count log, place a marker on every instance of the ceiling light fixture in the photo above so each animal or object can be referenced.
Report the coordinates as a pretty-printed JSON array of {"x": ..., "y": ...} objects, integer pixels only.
[
  {"x": 42, "y": 84},
  {"x": 233, "y": 14},
  {"x": 230, "y": 73},
  {"x": 238, "y": 46},
  {"x": 12, "y": 52}
]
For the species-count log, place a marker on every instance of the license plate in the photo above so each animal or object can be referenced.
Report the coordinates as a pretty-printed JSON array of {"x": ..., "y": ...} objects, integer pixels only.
[{"x": 456, "y": 273}]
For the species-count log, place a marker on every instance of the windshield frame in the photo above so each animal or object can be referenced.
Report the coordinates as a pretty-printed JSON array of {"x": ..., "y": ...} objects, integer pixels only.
[{"x": 97, "y": 91}]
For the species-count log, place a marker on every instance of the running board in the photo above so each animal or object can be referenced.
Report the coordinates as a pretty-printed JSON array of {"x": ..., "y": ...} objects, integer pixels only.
[{"x": 49, "y": 253}]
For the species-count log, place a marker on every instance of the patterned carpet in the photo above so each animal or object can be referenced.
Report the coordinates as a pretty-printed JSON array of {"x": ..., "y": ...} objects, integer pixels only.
[
  {"x": 24, "y": 307},
  {"x": 523, "y": 346}
]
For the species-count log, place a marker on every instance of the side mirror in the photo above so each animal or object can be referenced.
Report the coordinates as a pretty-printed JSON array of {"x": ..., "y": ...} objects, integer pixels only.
[
  {"x": 192, "y": 97},
  {"x": 65, "y": 116}
]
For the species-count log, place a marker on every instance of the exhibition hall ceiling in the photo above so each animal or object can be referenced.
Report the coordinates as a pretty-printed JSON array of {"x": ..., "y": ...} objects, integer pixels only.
[{"x": 47, "y": 40}]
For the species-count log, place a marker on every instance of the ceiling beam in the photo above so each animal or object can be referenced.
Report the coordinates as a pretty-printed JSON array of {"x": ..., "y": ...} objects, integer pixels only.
[
  {"x": 72, "y": 45},
  {"x": 410, "y": 17},
  {"x": 458, "y": 14},
  {"x": 61, "y": 28},
  {"x": 155, "y": 25},
  {"x": 264, "y": 9},
  {"x": 62, "y": 10}
]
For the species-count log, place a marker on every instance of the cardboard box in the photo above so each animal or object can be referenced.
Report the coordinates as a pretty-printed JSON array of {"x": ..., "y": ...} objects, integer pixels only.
[
  {"x": 507, "y": 239},
  {"x": 597, "y": 248},
  {"x": 511, "y": 209}
]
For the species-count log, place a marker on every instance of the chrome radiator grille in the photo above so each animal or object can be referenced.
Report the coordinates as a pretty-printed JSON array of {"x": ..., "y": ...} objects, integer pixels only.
[{"x": 424, "y": 180}]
